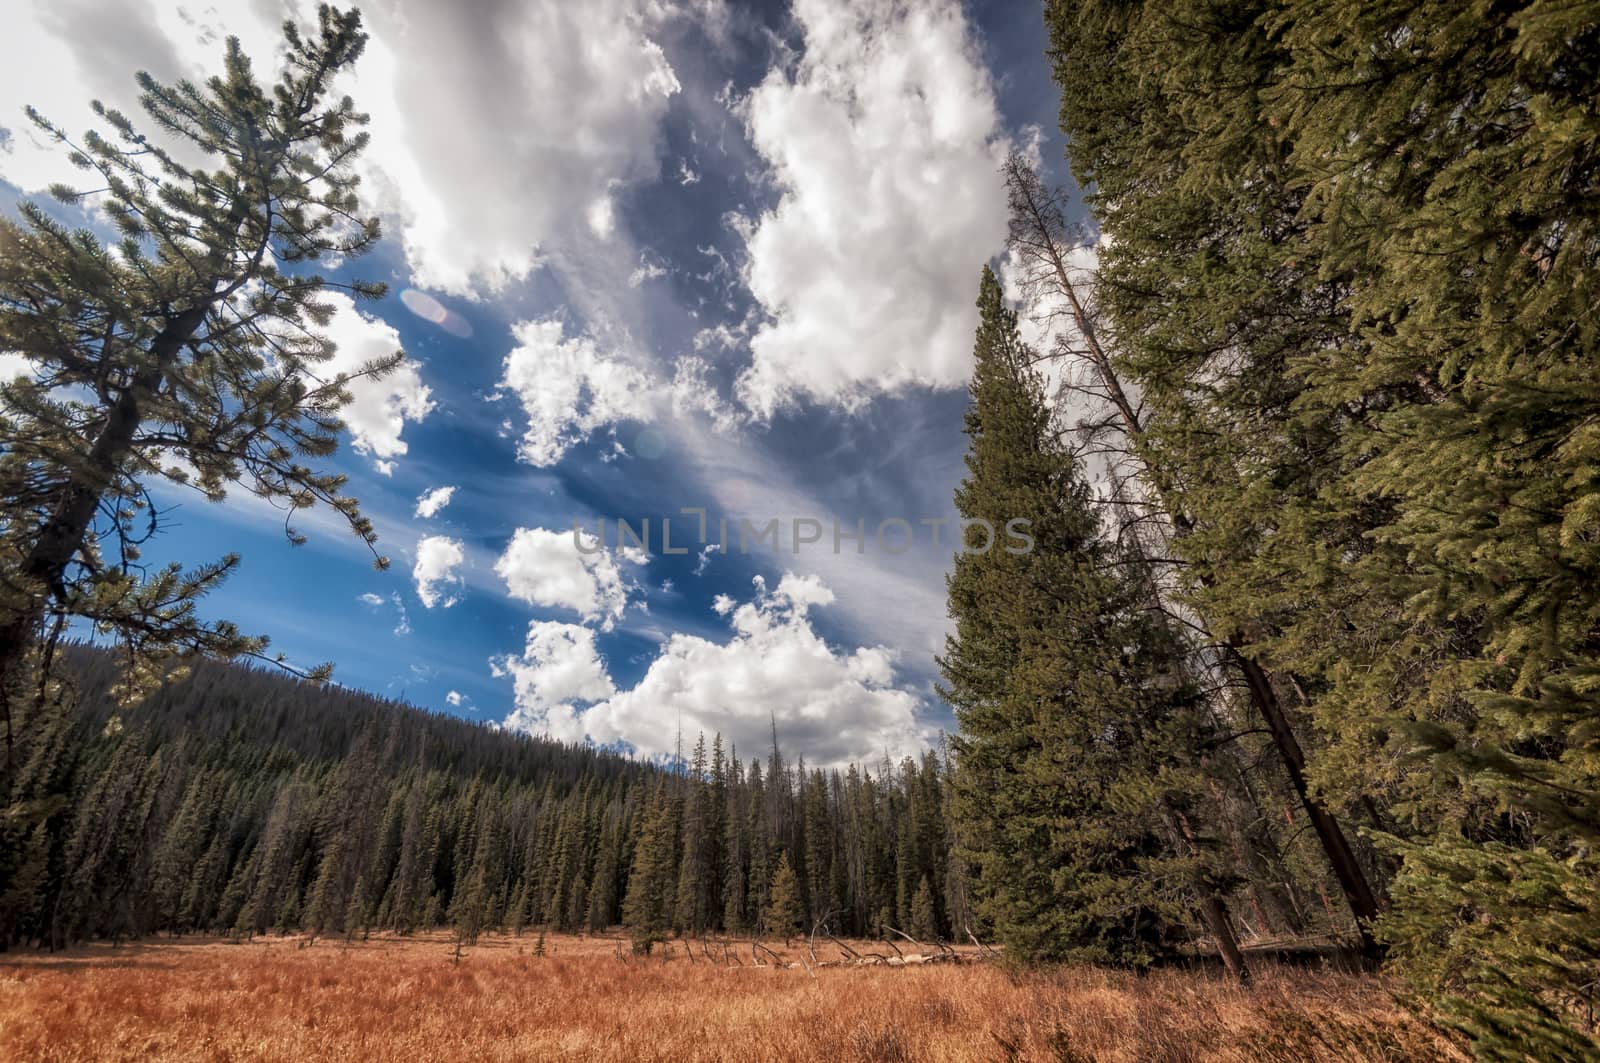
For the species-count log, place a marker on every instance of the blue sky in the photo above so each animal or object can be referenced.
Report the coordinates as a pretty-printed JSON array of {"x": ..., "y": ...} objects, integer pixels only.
[{"x": 666, "y": 254}]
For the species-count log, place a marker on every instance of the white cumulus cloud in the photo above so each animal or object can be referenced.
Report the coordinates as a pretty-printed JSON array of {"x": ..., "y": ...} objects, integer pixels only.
[
  {"x": 430, "y": 503},
  {"x": 547, "y": 568},
  {"x": 558, "y": 667},
  {"x": 836, "y": 705},
  {"x": 492, "y": 126},
  {"x": 568, "y": 388},
  {"x": 438, "y": 557},
  {"x": 884, "y": 139},
  {"x": 528, "y": 107},
  {"x": 379, "y": 408}
]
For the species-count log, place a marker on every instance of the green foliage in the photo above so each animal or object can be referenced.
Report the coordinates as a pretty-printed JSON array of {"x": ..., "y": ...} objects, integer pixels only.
[
  {"x": 924, "y": 924},
  {"x": 1354, "y": 255},
  {"x": 1074, "y": 716},
  {"x": 186, "y": 352},
  {"x": 653, "y": 880},
  {"x": 246, "y": 802},
  {"x": 784, "y": 911}
]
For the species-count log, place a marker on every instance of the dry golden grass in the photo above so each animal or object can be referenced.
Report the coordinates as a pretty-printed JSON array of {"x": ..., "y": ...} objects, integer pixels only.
[{"x": 407, "y": 999}]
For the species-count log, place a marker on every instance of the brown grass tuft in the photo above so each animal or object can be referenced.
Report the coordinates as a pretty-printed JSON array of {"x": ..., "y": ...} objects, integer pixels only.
[{"x": 404, "y": 999}]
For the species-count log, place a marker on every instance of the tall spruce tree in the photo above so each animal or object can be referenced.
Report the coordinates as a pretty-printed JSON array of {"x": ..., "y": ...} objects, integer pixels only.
[
  {"x": 652, "y": 883},
  {"x": 784, "y": 909},
  {"x": 1211, "y": 292},
  {"x": 1068, "y": 711}
]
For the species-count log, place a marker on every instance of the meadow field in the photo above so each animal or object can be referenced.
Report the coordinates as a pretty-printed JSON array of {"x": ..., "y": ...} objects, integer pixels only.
[{"x": 415, "y": 998}]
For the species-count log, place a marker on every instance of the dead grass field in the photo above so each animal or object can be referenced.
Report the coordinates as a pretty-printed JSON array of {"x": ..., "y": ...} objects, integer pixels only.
[{"x": 408, "y": 999}]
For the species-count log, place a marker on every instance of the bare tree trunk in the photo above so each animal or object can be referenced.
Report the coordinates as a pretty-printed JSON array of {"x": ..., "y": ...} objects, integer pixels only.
[
  {"x": 1346, "y": 868},
  {"x": 1220, "y": 926}
]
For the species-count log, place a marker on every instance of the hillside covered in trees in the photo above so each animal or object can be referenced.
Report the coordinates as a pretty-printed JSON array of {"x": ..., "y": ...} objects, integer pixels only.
[{"x": 245, "y": 802}]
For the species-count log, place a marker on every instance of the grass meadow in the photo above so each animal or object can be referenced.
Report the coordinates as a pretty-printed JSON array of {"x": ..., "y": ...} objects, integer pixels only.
[{"x": 416, "y": 998}]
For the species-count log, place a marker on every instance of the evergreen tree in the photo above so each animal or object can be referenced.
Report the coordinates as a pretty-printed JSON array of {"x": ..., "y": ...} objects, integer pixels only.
[
  {"x": 1067, "y": 709},
  {"x": 924, "y": 924},
  {"x": 784, "y": 910},
  {"x": 186, "y": 352},
  {"x": 646, "y": 910},
  {"x": 693, "y": 912},
  {"x": 251, "y": 803},
  {"x": 1351, "y": 267}
]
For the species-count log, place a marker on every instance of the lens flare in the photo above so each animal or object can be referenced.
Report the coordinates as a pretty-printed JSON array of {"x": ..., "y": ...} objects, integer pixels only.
[
  {"x": 650, "y": 444},
  {"x": 430, "y": 309}
]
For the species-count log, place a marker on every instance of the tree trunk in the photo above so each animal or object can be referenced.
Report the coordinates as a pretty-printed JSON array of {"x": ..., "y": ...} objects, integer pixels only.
[
  {"x": 1213, "y": 911},
  {"x": 43, "y": 572},
  {"x": 1346, "y": 868},
  {"x": 1220, "y": 926}
]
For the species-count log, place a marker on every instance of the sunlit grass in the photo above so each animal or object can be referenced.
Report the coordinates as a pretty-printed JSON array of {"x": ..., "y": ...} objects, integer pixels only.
[{"x": 588, "y": 999}]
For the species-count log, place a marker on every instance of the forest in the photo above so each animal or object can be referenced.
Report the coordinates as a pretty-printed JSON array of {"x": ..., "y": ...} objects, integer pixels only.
[
  {"x": 243, "y": 802},
  {"x": 1312, "y": 465}
]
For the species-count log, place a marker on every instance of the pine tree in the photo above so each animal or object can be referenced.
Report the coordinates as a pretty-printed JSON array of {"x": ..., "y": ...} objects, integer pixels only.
[
  {"x": 692, "y": 903},
  {"x": 251, "y": 803},
  {"x": 1065, "y": 711},
  {"x": 646, "y": 910},
  {"x": 820, "y": 847},
  {"x": 736, "y": 849},
  {"x": 784, "y": 910},
  {"x": 188, "y": 353},
  {"x": 1389, "y": 464},
  {"x": 758, "y": 839},
  {"x": 924, "y": 924},
  {"x": 1169, "y": 460}
]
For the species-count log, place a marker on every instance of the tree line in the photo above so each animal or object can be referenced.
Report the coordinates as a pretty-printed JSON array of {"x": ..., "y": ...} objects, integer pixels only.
[
  {"x": 241, "y": 802},
  {"x": 1310, "y": 448}
]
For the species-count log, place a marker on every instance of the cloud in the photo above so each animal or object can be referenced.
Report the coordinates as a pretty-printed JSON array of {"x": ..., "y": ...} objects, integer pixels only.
[
  {"x": 59, "y": 56},
  {"x": 377, "y": 601},
  {"x": 544, "y": 567},
  {"x": 438, "y": 557},
  {"x": 649, "y": 269},
  {"x": 378, "y": 409},
  {"x": 455, "y": 699},
  {"x": 431, "y": 502},
  {"x": 693, "y": 392},
  {"x": 836, "y": 705},
  {"x": 13, "y": 365},
  {"x": 528, "y": 108},
  {"x": 569, "y": 388},
  {"x": 558, "y": 666},
  {"x": 489, "y": 161},
  {"x": 901, "y": 597},
  {"x": 884, "y": 141}
]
